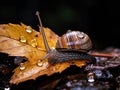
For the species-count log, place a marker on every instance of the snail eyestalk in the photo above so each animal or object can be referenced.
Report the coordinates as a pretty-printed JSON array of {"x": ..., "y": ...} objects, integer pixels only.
[{"x": 43, "y": 33}]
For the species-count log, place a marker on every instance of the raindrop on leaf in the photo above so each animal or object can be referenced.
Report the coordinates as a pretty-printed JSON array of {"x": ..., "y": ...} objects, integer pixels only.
[
  {"x": 33, "y": 43},
  {"x": 23, "y": 39},
  {"x": 29, "y": 29},
  {"x": 22, "y": 67}
]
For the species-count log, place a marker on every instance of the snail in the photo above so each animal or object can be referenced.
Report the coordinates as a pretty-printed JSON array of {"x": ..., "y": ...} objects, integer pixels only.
[
  {"x": 74, "y": 40},
  {"x": 71, "y": 46}
]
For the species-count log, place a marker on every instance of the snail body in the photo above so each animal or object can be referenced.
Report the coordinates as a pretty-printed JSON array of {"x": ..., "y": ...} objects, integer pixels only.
[
  {"x": 74, "y": 40},
  {"x": 60, "y": 55},
  {"x": 73, "y": 45},
  {"x": 70, "y": 46}
]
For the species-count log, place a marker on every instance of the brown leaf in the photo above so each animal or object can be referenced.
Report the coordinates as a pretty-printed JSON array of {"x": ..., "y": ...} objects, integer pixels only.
[
  {"x": 32, "y": 71},
  {"x": 22, "y": 40}
]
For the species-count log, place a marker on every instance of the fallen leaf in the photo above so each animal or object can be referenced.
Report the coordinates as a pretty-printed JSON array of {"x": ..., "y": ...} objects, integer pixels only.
[
  {"x": 32, "y": 71},
  {"x": 17, "y": 41},
  {"x": 22, "y": 40}
]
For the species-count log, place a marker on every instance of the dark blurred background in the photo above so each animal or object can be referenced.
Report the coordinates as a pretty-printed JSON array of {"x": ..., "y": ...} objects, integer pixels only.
[{"x": 100, "y": 19}]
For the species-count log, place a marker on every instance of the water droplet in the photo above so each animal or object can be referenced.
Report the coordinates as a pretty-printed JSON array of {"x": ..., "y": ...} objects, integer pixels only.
[
  {"x": 80, "y": 35},
  {"x": 39, "y": 63},
  {"x": 98, "y": 73},
  {"x": 39, "y": 48},
  {"x": 33, "y": 43},
  {"x": 91, "y": 77},
  {"x": 23, "y": 39},
  {"x": 7, "y": 88},
  {"x": 68, "y": 84},
  {"x": 45, "y": 64},
  {"x": 54, "y": 69},
  {"x": 22, "y": 67},
  {"x": 53, "y": 48},
  {"x": 29, "y": 29}
]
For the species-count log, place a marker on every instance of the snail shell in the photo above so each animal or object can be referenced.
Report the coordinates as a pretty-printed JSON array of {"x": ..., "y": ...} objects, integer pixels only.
[{"x": 74, "y": 40}]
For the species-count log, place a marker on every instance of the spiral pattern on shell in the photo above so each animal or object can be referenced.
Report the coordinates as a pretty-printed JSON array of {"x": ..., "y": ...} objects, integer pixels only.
[{"x": 74, "y": 40}]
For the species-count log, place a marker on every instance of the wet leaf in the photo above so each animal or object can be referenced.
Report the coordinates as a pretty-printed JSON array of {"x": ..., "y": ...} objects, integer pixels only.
[
  {"x": 32, "y": 71},
  {"x": 22, "y": 40}
]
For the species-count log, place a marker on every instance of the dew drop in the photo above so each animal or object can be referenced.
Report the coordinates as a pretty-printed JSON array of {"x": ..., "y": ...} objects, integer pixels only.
[
  {"x": 98, "y": 73},
  {"x": 54, "y": 69},
  {"x": 68, "y": 84},
  {"x": 39, "y": 63},
  {"x": 22, "y": 67},
  {"x": 53, "y": 48},
  {"x": 23, "y": 39},
  {"x": 91, "y": 77},
  {"x": 29, "y": 29},
  {"x": 39, "y": 48},
  {"x": 7, "y": 88},
  {"x": 45, "y": 64},
  {"x": 81, "y": 35},
  {"x": 33, "y": 43}
]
